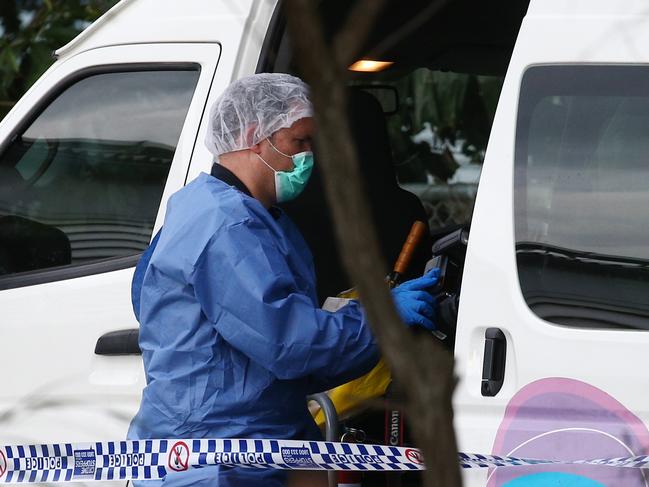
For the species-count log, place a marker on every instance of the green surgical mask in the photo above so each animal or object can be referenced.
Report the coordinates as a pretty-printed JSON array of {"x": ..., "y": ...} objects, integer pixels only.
[{"x": 290, "y": 184}]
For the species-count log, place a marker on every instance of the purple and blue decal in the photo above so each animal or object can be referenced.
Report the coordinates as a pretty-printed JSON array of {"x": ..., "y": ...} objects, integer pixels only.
[{"x": 566, "y": 419}]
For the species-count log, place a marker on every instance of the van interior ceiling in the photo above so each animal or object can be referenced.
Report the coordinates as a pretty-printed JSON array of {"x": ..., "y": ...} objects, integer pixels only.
[
  {"x": 460, "y": 35},
  {"x": 449, "y": 35},
  {"x": 449, "y": 63}
]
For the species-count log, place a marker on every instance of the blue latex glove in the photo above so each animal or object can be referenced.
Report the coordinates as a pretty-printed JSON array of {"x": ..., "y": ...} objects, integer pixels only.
[{"x": 415, "y": 304}]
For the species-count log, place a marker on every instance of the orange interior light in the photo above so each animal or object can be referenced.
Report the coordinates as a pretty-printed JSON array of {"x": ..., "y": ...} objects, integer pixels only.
[{"x": 370, "y": 66}]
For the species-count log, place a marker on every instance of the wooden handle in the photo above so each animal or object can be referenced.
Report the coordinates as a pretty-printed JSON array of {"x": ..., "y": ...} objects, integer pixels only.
[{"x": 417, "y": 232}]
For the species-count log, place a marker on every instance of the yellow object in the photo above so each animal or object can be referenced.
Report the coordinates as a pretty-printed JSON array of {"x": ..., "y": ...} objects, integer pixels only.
[
  {"x": 355, "y": 394},
  {"x": 351, "y": 396},
  {"x": 350, "y": 293}
]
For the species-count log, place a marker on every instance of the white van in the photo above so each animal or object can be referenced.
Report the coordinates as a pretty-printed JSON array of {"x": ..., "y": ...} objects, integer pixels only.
[{"x": 550, "y": 332}]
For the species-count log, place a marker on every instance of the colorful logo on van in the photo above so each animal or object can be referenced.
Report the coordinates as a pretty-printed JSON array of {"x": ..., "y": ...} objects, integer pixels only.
[{"x": 565, "y": 419}]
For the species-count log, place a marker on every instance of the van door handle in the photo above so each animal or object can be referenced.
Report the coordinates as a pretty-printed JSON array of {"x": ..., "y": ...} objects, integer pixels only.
[
  {"x": 493, "y": 367},
  {"x": 120, "y": 342}
]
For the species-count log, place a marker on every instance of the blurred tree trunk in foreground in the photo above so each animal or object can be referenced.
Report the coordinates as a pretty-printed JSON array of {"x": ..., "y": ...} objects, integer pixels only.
[{"x": 422, "y": 367}]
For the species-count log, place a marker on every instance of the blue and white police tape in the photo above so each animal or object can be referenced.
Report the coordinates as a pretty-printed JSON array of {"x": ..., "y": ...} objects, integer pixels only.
[{"x": 154, "y": 459}]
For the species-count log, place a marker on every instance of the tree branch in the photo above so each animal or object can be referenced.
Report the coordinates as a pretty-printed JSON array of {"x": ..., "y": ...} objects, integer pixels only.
[{"x": 349, "y": 39}]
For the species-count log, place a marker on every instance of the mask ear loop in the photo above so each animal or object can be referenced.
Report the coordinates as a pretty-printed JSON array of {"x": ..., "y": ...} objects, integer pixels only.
[
  {"x": 268, "y": 165},
  {"x": 277, "y": 150}
]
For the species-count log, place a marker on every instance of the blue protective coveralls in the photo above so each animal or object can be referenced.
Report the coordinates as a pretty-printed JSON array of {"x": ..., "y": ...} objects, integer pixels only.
[{"x": 232, "y": 337}]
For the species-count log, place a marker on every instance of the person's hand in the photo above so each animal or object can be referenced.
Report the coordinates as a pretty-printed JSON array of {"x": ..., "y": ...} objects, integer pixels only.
[{"x": 415, "y": 304}]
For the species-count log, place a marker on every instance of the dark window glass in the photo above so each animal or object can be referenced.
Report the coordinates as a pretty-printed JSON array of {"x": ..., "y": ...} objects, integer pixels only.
[
  {"x": 83, "y": 182},
  {"x": 582, "y": 195},
  {"x": 438, "y": 134}
]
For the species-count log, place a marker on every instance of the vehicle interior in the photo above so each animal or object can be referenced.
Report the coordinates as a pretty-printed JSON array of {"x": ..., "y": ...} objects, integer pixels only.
[{"x": 421, "y": 128}]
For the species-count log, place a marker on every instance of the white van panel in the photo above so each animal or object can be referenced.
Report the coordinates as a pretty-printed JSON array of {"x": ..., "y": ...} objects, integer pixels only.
[
  {"x": 599, "y": 365},
  {"x": 236, "y": 62},
  {"x": 167, "y": 21},
  {"x": 54, "y": 387}
]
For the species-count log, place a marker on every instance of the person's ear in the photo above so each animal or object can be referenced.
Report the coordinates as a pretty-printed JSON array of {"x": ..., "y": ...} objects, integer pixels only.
[
  {"x": 256, "y": 148},
  {"x": 249, "y": 137}
]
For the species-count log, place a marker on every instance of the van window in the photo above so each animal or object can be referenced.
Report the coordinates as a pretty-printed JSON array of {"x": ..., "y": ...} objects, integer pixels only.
[
  {"x": 582, "y": 194},
  {"x": 82, "y": 183},
  {"x": 439, "y": 135}
]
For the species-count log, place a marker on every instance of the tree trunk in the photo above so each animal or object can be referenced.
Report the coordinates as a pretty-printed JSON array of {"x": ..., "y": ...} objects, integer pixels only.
[{"x": 423, "y": 367}]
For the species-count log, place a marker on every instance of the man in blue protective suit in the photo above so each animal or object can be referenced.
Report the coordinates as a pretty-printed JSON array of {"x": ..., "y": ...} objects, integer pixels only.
[{"x": 232, "y": 337}]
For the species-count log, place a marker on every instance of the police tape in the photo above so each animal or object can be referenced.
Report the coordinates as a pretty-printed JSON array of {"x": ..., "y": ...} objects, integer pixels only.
[{"x": 154, "y": 459}]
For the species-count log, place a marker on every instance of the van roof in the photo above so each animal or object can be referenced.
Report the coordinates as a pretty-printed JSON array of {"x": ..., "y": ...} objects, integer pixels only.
[
  {"x": 157, "y": 21},
  {"x": 154, "y": 21}
]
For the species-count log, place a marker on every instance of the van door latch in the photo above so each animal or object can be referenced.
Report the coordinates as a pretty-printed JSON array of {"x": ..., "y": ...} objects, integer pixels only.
[
  {"x": 120, "y": 342},
  {"x": 493, "y": 367}
]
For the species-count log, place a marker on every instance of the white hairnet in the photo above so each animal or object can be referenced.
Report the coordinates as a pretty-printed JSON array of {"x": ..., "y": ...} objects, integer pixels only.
[{"x": 253, "y": 108}]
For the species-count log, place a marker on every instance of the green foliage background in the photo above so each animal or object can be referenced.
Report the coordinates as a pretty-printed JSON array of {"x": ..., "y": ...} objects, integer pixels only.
[{"x": 31, "y": 31}]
